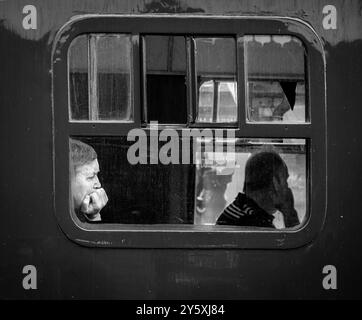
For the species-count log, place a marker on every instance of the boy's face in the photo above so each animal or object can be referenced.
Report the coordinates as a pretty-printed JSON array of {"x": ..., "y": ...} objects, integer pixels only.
[{"x": 84, "y": 181}]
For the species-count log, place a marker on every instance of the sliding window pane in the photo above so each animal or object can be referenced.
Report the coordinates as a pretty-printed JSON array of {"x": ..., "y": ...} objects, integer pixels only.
[
  {"x": 113, "y": 61},
  {"x": 100, "y": 78},
  {"x": 166, "y": 79},
  {"x": 275, "y": 67}
]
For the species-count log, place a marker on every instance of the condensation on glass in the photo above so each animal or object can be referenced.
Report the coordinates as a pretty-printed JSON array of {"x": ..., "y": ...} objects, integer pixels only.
[
  {"x": 78, "y": 79},
  {"x": 216, "y": 80},
  {"x": 166, "y": 79},
  {"x": 276, "y": 80},
  {"x": 100, "y": 73}
]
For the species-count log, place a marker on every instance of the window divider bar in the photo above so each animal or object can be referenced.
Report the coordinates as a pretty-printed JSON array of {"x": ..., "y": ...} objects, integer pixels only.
[
  {"x": 191, "y": 80},
  {"x": 143, "y": 77},
  {"x": 137, "y": 78},
  {"x": 266, "y": 130},
  {"x": 93, "y": 83},
  {"x": 306, "y": 86},
  {"x": 104, "y": 128},
  {"x": 215, "y": 108},
  {"x": 241, "y": 81}
]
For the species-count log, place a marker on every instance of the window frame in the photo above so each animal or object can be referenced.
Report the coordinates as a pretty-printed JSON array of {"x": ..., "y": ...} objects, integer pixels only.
[{"x": 186, "y": 236}]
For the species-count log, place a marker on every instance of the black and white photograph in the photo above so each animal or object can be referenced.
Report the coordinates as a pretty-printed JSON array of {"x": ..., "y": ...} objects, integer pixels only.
[{"x": 181, "y": 154}]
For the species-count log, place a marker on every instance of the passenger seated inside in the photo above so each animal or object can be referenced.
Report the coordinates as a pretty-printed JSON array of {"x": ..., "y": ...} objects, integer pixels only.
[
  {"x": 266, "y": 201},
  {"x": 88, "y": 196}
]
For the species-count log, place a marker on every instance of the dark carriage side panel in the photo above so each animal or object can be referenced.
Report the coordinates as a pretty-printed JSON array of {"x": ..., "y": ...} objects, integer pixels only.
[{"x": 30, "y": 235}]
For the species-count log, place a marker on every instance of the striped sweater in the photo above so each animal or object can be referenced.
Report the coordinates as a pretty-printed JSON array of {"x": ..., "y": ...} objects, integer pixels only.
[{"x": 244, "y": 211}]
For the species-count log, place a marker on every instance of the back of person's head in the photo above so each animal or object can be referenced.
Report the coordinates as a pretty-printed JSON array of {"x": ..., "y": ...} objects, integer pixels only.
[
  {"x": 260, "y": 169},
  {"x": 81, "y": 153}
]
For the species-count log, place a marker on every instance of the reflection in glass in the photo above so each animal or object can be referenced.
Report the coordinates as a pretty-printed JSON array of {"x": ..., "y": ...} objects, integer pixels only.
[
  {"x": 216, "y": 79},
  {"x": 206, "y": 102},
  {"x": 227, "y": 101},
  {"x": 218, "y": 184},
  {"x": 275, "y": 68}
]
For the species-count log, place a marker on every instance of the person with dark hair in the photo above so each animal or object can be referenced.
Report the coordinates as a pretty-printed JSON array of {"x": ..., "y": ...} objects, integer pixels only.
[
  {"x": 88, "y": 196},
  {"x": 266, "y": 201}
]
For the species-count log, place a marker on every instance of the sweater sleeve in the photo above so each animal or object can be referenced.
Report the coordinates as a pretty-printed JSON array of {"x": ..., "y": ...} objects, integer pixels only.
[{"x": 232, "y": 213}]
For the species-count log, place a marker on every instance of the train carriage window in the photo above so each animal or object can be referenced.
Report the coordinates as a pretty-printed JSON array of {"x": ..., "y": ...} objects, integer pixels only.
[
  {"x": 180, "y": 136},
  {"x": 275, "y": 67}
]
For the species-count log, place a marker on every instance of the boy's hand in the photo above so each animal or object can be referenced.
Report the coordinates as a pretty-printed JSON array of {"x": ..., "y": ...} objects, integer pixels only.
[{"x": 93, "y": 203}]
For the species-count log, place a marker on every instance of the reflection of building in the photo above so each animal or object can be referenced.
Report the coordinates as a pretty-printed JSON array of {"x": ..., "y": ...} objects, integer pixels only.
[
  {"x": 268, "y": 102},
  {"x": 217, "y": 101},
  {"x": 276, "y": 78}
]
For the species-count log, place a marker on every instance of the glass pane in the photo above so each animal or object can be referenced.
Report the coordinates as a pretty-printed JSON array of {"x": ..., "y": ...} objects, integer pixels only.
[
  {"x": 272, "y": 196},
  {"x": 275, "y": 67},
  {"x": 216, "y": 78},
  {"x": 206, "y": 102},
  {"x": 78, "y": 78},
  {"x": 113, "y": 57},
  {"x": 227, "y": 101},
  {"x": 166, "y": 79},
  {"x": 262, "y": 183},
  {"x": 137, "y": 193},
  {"x": 179, "y": 60},
  {"x": 156, "y": 53}
]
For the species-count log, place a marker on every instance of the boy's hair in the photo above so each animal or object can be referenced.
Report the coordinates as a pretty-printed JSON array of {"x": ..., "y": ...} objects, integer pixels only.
[
  {"x": 80, "y": 153},
  {"x": 260, "y": 169}
]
